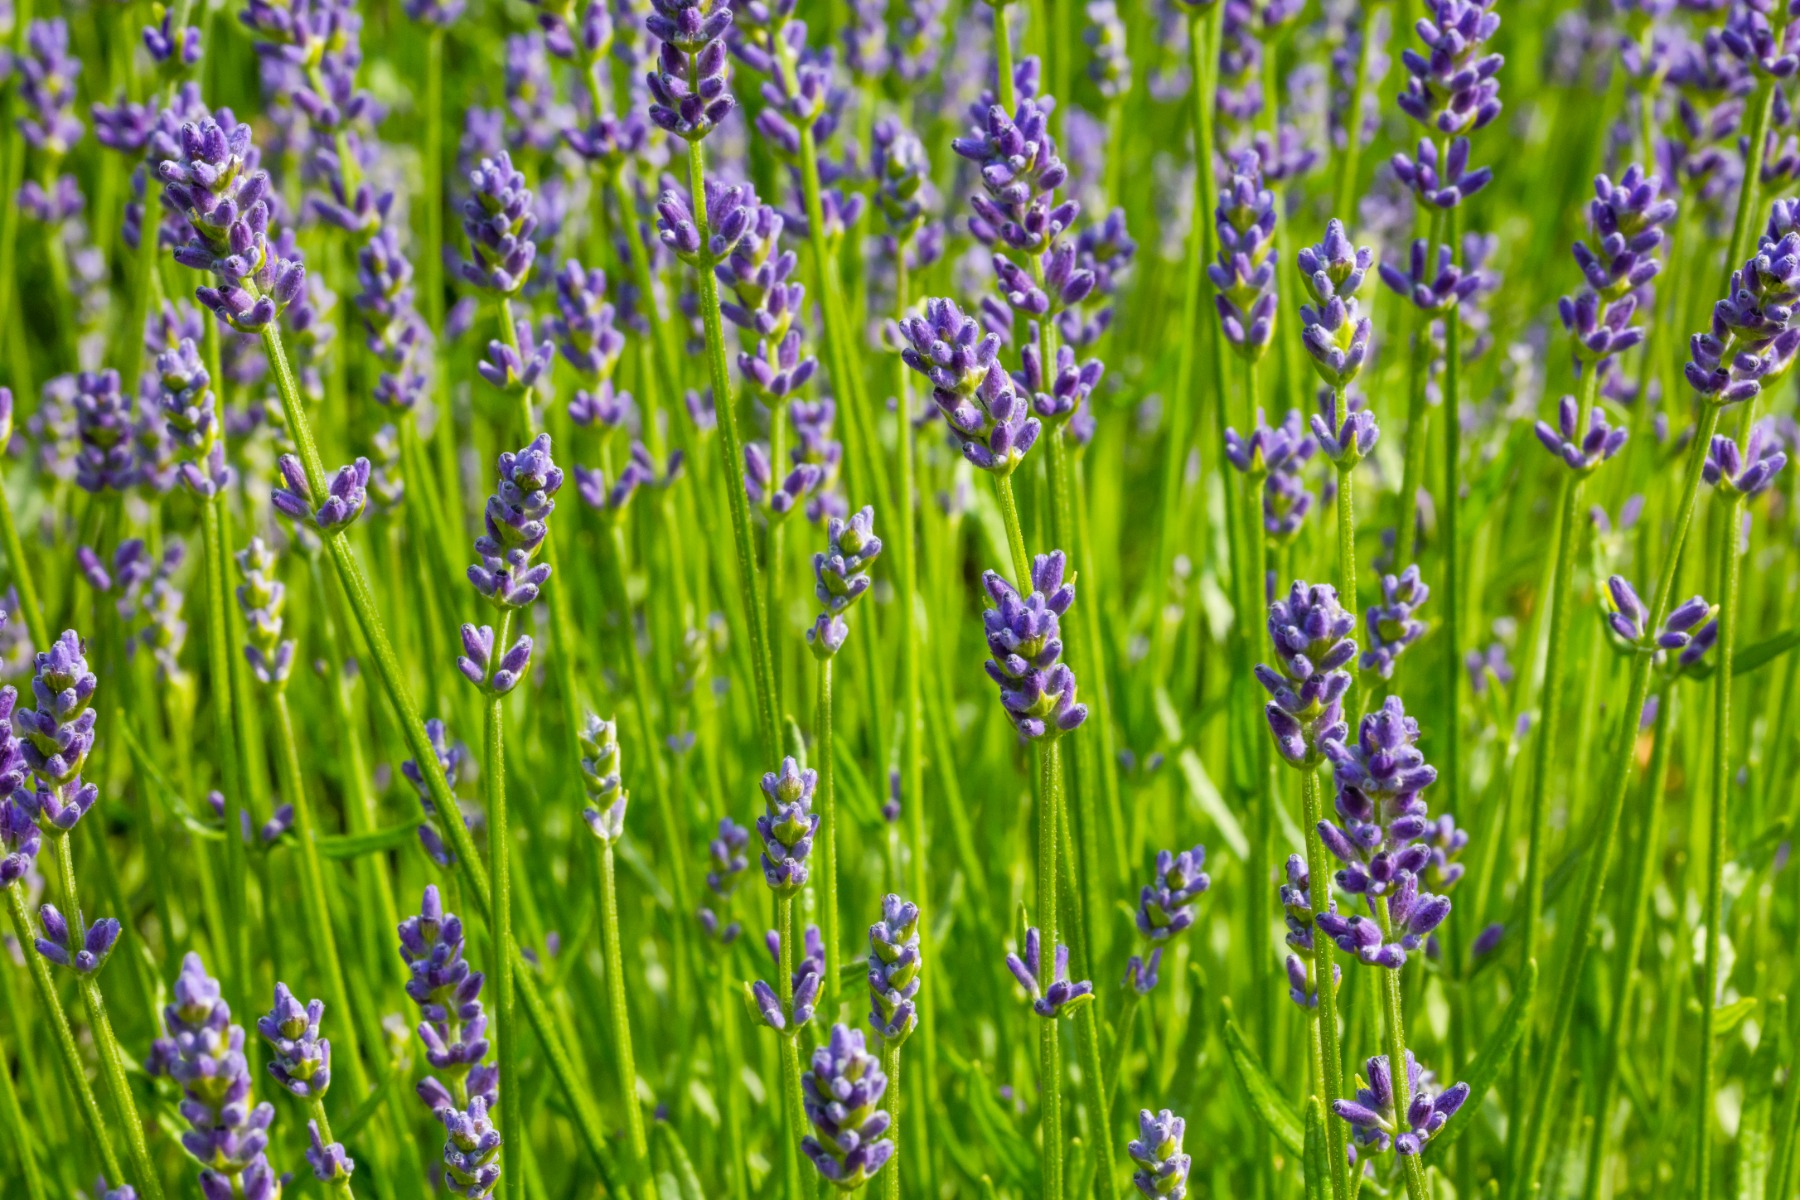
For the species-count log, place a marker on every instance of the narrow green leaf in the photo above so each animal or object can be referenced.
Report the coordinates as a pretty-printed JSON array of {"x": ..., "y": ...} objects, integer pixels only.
[
  {"x": 1489, "y": 1062},
  {"x": 376, "y": 841},
  {"x": 1730, "y": 1016},
  {"x": 1263, "y": 1094},
  {"x": 676, "y": 1176},
  {"x": 344, "y": 1131},
  {"x": 1761, "y": 654},
  {"x": 994, "y": 1125}
]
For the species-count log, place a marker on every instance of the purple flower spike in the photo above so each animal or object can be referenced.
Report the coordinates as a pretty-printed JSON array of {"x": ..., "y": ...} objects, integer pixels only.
[
  {"x": 583, "y": 327},
  {"x": 471, "y": 1150},
  {"x": 1302, "y": 966},
  {"x": 1764, "y": 36},
  {"x": 1752, "y": 340},
  {"x": 48, "y": 75},
  {"x": 209, "y": 174},
  {"x": 204, "y": 1054},
  {"x": 301, "y": 1062},
  {"x": 262, "y": 597},
  {"x": 54, "y": 739},
  {"x": 1166, "y": 907},
  {"x": 726, "y": 854},
  {"x": 1065, "y": 392},
  {"x": 973, "y": 392},
  {"x": 19, "y": 836},
  {"x": 1452, "y": 88},
  {"x": 842, "y": 1092},
  {"x": 1744, "y": 474},
  {"x": 84, "y": 952},
  {"x": 1393, "y": 624},
  {"x": 1334, "y": 334},
  {"x": 1432, "y": 287},
  {"x": 809, "y": 975},
  {"x": 1311, "y": 634},
  {"x": 787, "y": 826},
  {"x": 1023, "y": 635},
  {"x": 1371, "y": 1115},
  {"x": 1245, "y": 271},
  {"x": 1052, "y": 995},
  {"x": 516, "y": 370},
  {"x": 453, "y": 1026},
  {"x": 517, "y": 522},
  {"x": 600, "y": 776},
  {"x": 1141, "y": 973},
  {"x": 689, "y": 89},
  {"x": 1020, "y": 173},
  {"x": 1580, "y": 453},
  {"x": 346, "y": 495},
  {"x": 730, "y": 209},
  {"x": 1379, "y": 778},
  {"x": 105, "y": 460},
  {"x": 329, "y": 1163},
  {"x": 1162, "y": 1165},
  {"x": 1349, "y": 444},
  {"x": 499, "y": 218},
  {"x": 1444, "y": 186},
  {"x": 841, "y": 574},
  {"x": 894, "y": 965},
  {"x": 479, "y": 667}
]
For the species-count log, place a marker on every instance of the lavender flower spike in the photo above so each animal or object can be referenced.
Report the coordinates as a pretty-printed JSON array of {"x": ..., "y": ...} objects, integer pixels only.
[
  {"x": 1393, "y": 624},
  {"x": 301, "y": 1062},
  {"x": 843, "y": 1090},
  {"x": 212, "y": 178},
  {"x": 204, "y": 1053},
  {"x": 1346, "y": 445},
  {"x": 894, "y": 966},
  {"x": 841, "y": 577},
  {"x": 448, "y": 993},
  {"x": 809, "y": 974},
  {"x": 329, "y": 1163},
  {"x": 1752, "y": 340},
  {"x": 689, "y": 90},
  {"x": 516, "y": 519},
  {"x": 262, "y": 597},
  {"x": 346, "y": 496},
  {"x": 1311, "y": 633},
  {"x": 1162, "y": 1166},
  {"x": 1052, "y": 994},
  {"x": 1334, "y": 334},
  {"x": 499, "y": 218},
  {"x": 605, "y": 814},
  {"x": 494, "y": 676},
  {"x": 57, "y": 736},
  {"x": 975, "y": 395},
  {"x": 1581, "y": 452},
  {"x": 19, "y": 836},
  {"x": 471, "y": 1150},
  {"x": 1746, "y": 473},
  {"x": 787, "y": 826},
  {"x": 1379, "y": 778},
  {"x": 1166, "y": 908},
  {"x": 1023, "y": 635},
  {"x": 1372, "y": 1118},
  {"x": 728, "y": 862},
  {"x": 1245, "y": 273},
  {"x": 84, "y": 953}
]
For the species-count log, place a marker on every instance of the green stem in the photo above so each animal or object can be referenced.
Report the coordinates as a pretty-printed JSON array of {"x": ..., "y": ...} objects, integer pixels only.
[
  {"x": 64, "y": 1037},
  {"x": 1730, "y": 558},
  {"x": 890, "y": 1066},
  {"x": 1568, "y": 537},
  {"x": 24, "y": 1138},
  {"x": 1015, "y": 532},
  {"x": 22, "y": 577},
  {"x": 792, "y": 1109},
  {"x": 323, "y": 941},
  {"x": 1394, "y": 1017},
  {"x": 1346, "y": 513},
  {"x": 731, "y": 451},
  {"x": 1003, "y": 57},
  {"x": 218, "y": 649},
  {"x": 1121, "y": 1043},
  {"x": 735, "y": 1152},
  {"x": 827, "y": 794},
  {"x": 1631, "y": 939},
  {"x": 1534, "y": 1139},
  {"x": 1049, "y": 1045},
  {"x": 512, "y": 1132},
  {"x": 106, "y": 1044},
  {"x": 1743, "y": 225},
  {"x": 1352, "y": 119},
  {"x": 1325, "y": 1017},
  {"x": 621, "y": 1022},
  {"x": 1452, "y": 534}
]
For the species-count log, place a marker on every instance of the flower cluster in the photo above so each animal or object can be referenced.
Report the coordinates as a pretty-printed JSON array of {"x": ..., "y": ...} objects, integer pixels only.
[
  {"x": 517, "y": 522},
  {"x": 204, "y": 1053},
  {"x": 56, "y": 737},
  {"x": 1052, "y": 994},
  {"x": 842, "y": 1093},
  {"x": 397, "y": 336},
  {"x": 1626, "y": 217},
  {"x": 787, "y": 826},
  {"x": 1394, "y": 624},
  {"x": 346, "y": 495},
  {"x": 184, "y": 396},
  {"x": 969, "y": 387},
  {"x": 1372, "y": 1118},
  {"x": 213, "y": 180},
  {"x": 499, "y": 218},
  {"x": 1582, "y": 453},
  {"x": 1037, "y": 690},
  {"x": 1274, "y": 456},
  {"x": 261, "y": 597},
  {"x": 1743, "y": 473},
  {"x": 607, "y": 798},
  {"x": 1688, "y": 632},
  {"x": 1334, "y": 334},
  {"x": 728, "y": 862},
  {"x": 894, "y": 966},
  {"x": 454, "y": 1026},
  {"x": 1302, "y": 964},
  {"x": 841, "y": 578},
  {"x": 1244, "y": 275},
  {"x": 1451, "y": 90},
  {"x": 804, "y": 984},
  {"x": 1753, "y": 339},
  {"x": 1311, "y": 635},
  {"x": 1162, "y": 1165},
  {"x": 689, "y": 90}
]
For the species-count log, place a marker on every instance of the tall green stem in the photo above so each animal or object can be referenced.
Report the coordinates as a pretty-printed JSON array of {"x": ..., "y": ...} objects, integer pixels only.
[
  {"x": 1631, "y": 940},
  {"x": 1015, "y": 532},
  {"x": 1325, "y": 1016},
  {"x": 106, "y": 1043},
  {"x": 731, "y": 451},
  {"x": 218, "y": 650},
  {"x": 1049, "y": 1045},
  {"x": 890, "y": 1066},
  {"x": 1352, "y": 118},
  {"x": 1534, "y": 1134},
  {"x": 1730, "y": 557},
  {"x": 64, "y": 1037},
  {"x": 512, "y": 1131},
  {"x": 1003, "y": 56},
  {"x": 1394, "y": 1016},
  {"x": 1452, "y": 535},
  {"x": 621, "y": 1023},
  {"x": 791, "y": 1106},
  {"x": 24, "y": 1138},
  {"x": 1743, "y": 225},
  {"x": 33, "y": 608},
  {"x": 1568, "y": 536},
  {"x": 828, "y": 850},
  {"x": 313, "y": 895},
  {"x": 1346, "y": 511}
]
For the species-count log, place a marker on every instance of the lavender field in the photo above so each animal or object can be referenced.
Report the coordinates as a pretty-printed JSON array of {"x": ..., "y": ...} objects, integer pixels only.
[{"x": 1249, "y": 544}]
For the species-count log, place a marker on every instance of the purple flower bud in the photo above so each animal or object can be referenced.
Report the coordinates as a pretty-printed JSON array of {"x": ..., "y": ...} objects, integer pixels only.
[
  {"x": 1162, "y": 1165},
  {"x": 301, "y": 1062},
  {"x": 842, "y": 1093},
  {"x": 894, "y": 965},
  {"x": 787, "y": 826},
  {"x": 1747, "y": 473},
  {"x": 1051, "y": 993},
  {"x": 1165, "y": 908},
  {"x": 1373, "y": 1120},
  {"x": 1311, "y": 635},
  {"x": 1023, "y": 636},
  {"x": 600, "y": 775}
]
